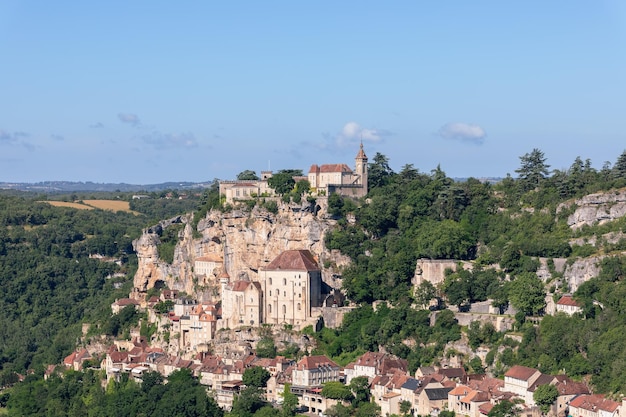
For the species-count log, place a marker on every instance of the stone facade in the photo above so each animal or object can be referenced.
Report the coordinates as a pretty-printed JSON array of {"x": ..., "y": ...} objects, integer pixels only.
[{"x": 292, "y": 286}]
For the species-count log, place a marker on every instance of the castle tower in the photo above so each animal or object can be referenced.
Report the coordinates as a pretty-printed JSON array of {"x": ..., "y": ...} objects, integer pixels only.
[{"x": 361, "y": 168}]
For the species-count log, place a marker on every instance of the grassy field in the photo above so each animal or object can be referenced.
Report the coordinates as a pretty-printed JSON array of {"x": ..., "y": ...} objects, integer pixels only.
[
  {"x": 72, "y": 205},
  {"x": 111, "y": 205}
]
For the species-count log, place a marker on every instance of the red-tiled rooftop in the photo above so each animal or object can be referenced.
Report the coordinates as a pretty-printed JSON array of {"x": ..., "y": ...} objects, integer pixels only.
[
  {"x": 591, "y": 402},
  {"x": 312, "y": 362},
  {"x": 293, "y": 260},
  {"x": 329, "y": 168},
  {"x": 567, "y": 300},
  {"x": 520, "y": 372}
]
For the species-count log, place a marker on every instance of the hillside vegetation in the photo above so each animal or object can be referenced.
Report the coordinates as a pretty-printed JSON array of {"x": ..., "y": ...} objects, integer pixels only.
[
  {"x": 410, "y": 215},
  {"x": 51, "y": 285}
]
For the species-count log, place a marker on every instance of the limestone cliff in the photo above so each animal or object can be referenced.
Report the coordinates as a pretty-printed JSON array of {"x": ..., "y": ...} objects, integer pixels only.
[
  {"x": 596, "y": 208},
  {"x": 246, "y": 240}
]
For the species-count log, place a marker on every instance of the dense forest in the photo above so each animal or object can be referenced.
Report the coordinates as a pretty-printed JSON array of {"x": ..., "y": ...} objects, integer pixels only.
[{"x": 51, "y": 286}]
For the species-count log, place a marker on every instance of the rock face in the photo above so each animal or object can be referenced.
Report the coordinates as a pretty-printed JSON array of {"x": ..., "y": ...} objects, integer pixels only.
[
  {"x": 433, "y": 270},
  {"x": 245, "y": 240},
  {"x": 596, "y": 209}
]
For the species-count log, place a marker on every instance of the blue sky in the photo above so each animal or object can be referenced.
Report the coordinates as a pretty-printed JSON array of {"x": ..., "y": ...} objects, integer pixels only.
[{"x": 151, "y": 91}]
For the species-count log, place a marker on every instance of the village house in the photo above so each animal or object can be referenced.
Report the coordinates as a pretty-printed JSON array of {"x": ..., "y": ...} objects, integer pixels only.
[
  {"x": 568, "y": 305},
  {"x": 292, "y": 285},
  {"x": 593, "y": 405},
  {"x": 241, "y": 190},
  {"x": 519, "y": 379},
  {"x": 208, "y": 266},
  {"x": 118, "y": 305},
  {"x": 241, "y": 303},
  {"x": 198, "y": 327},
  {"x": 371, "y": 364},
  {"x": 314, "y": 371},
  {"x": 76, "y": 359}
]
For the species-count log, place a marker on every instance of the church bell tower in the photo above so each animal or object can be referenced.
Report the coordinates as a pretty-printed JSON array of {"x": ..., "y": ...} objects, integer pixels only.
[{"x": 361, "y": 168}]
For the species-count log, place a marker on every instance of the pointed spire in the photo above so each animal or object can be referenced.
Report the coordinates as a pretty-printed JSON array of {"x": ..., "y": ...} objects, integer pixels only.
[{"x": 361, "y": 154}]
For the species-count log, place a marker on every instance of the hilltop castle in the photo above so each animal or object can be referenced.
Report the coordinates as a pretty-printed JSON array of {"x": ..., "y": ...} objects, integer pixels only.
[{"x": 325, "y": 180}]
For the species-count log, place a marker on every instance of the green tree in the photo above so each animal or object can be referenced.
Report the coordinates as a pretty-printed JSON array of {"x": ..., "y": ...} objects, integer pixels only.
[
  {"x": 533, "y": 169},
  {"x": 290, "y": 402},
  {"x": 405, "y": 407},
  {"x": 337, "y": 391},
  {"x": 545, "y": 396},
  {"x": 379, "y": 171},
  {"x": 527, "y": 293},
  {"x": 248, "y": 175},
  {"x": 256, "y": 376},
  {"x": 360, "y": 388},
  {"x": 266, "y": 348},
  {"x": 282, "y": 182},
  {"x": 504, "y": 408},
  {"x": 619, "y": 169}
]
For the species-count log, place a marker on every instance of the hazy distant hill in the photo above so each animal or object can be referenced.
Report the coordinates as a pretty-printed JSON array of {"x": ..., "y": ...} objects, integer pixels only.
[{"x": 70, "y": 186}]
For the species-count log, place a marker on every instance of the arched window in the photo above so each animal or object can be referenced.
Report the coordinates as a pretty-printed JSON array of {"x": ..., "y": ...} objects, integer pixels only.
[
  {"x": 284, "y": 281},
  {"x": 269, "y": 308},
  {"x": 284, "y": 309},
  {"x": 299, "y": 307},
  {"x": 270, "y": 280}
]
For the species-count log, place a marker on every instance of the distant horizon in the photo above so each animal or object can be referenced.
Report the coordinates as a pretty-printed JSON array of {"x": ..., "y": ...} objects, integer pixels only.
[{"x": 211, "y": 89}]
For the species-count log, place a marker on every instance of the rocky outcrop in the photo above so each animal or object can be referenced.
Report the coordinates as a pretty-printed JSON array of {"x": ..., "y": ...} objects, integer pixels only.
[
  {"x": 433, "y": 270},
  {"x": 245, "y": 240},
  {"x": 596, "y": 209}
]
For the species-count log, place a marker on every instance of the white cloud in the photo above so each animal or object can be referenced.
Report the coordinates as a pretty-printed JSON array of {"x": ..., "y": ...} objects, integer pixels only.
[
  {"x": 463, "y": 132},
  {"x": 57, "y": 137},
  {"x": 352, "y": 131},
  {"x": 130, "y": 118}
]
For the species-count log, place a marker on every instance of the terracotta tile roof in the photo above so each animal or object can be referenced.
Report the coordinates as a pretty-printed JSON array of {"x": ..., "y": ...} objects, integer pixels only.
[
  {"x": 294, "y": 260},
  {"x": 542, "y": 380},
  {"x": 460, "y": 390},
  {"x": 566, "y": 386},
  {"x": 313, "y": 362},
  {"x": 522, "y": 373},
  {"x": 475, "y": 397},
  {"x": 239, "y": 285},
  {"x": 452, "y": 372},
  {"x": 567, "y": 300},
  {"x": 126, "y": 302},
  {"x": 485, "y": 408},
  {"x": 329, "y": 168},
  {"x": 592, "y": 402}
]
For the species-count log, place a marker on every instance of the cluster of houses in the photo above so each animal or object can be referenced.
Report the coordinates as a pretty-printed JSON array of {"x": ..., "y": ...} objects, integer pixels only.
[{"x": 429, "y": 390}]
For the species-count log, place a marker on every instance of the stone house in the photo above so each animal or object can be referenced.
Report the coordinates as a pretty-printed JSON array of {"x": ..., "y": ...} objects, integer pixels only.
[
  {"x": 208, "y": 266},
  {"x": 371, "y": 364},
  {"x": 241, "y": 304},
  {"x": 314, "y": 371},
  {"x": 198, "y": 327},
  {"x": 118, "y": 305},
  {"x": 292, "y": 286},
  {"x": 519, "y": 379},
  {"x": 595, "y": 405},
  {"x": 568, "y": 305}
]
